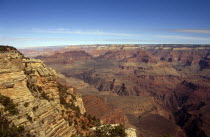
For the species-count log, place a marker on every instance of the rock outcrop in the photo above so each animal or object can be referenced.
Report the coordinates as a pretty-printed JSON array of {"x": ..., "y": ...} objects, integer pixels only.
[
  {"x": 174, "y": 76},
  {"x": 44, "y": 107},
  {"x": 68, "y": 57}
]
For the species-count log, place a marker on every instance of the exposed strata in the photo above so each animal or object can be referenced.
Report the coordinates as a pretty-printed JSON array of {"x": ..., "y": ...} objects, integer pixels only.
[
  {"x": 175, "y": 75},
  {"x": 66, "y": 57},
  {"x": 45, "y": 107},
  {"x": 31, "y": 85}
]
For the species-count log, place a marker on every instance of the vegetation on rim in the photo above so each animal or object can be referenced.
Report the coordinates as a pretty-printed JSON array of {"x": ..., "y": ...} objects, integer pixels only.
[{"x": 9, "y": 105}]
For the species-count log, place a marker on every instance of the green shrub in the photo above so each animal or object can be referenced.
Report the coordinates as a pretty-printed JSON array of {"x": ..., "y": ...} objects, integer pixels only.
[
  {"x": 6, "y": 48},
  {"x": 44, "y": 96},
  {"x": 92, "y": 119},
  {"x": 62, "y": 88},
  {"x": 110, "y": 131},
  {"x": 29, "y": 118},
  {"x": 9, "y": 105},
  {"x": 33, "y": 87},
  {"x": 35, "y": 108},
  {"x": 63, "y": 93},
  {"x": 10, "y": 130},
  {"x": 26, "y": 104},
  {"x": 36, "y": 88},
  {"x": 28, "y": 72}
]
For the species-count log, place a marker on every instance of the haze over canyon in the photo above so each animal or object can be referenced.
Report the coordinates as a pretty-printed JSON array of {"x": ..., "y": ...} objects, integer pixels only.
[{"x": 159, "y": 89}]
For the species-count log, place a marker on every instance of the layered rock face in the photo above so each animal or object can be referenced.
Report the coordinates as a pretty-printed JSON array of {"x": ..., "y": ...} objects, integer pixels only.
[
  {"x": 33, "y": 87},
  {"x": 174, "y": 79},
  {"x": 118, "y": 55},
  {"x": 66, "y": 57},
  {"x": 185, "y": 54},
  {"x": 105, "y": 84},
  {"x": 156, "y": 70}
]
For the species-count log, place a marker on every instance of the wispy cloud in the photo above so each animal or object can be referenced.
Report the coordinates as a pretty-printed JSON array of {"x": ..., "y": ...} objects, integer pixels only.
[
  {"x": 190, "y": 30},
  {"x": 184, "y": 37},
  {"x": 81, "y": 32},
  {"x": 130, "y": 40},
  {"x": 43, "y": 39},
  {"x": 21, "y": 39}
]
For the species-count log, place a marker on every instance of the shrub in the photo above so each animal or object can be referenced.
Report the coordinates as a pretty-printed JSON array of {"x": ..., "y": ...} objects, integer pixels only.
[
  {"x": 44, "y": 96},
  {"x": 62, "y": 93},
  {"x": 36, "y": 88},
  {"x": 9, "y": 105},
  {"x": 29, "y": 118},
  {"x": 35, "y": 108},
  {"x": 6, "y": 48},
  {"x": 10, "y": 130},
  {"x": 83, "y": 127},
  {"x": 62, "y": 88},
  {"x": 110, "y": 131},
  {"x": 28, "y": 72},
  {"x": 33, "y": 87},
  {"x": 26, "y": 104}
]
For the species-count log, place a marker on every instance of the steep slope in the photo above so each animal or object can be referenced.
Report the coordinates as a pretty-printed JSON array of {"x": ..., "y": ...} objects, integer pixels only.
[
  {"x": 41, "y": 105},
  {"x": 99, "y": 108},
  {"x": 174, "y": 79}
]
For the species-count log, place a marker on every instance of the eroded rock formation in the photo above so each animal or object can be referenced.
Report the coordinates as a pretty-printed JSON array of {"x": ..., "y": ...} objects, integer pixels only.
[
  {"x": 171, "y": 79},
  {"x": 43, "y": 107}
]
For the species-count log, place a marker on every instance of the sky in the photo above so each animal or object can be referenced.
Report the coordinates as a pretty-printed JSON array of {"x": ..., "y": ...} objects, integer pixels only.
[{"x": 34, "y": 23}]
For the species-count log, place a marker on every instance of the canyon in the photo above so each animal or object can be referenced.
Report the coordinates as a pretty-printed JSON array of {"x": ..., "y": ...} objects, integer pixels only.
[
  {"x": 153, "y": 90},
  {"x": 156, "y": 89},
  {"x": 34, "y": 104}
]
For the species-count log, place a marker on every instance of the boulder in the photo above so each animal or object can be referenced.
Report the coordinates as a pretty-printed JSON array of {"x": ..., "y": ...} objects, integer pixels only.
[{"x": 9, "y": 84}]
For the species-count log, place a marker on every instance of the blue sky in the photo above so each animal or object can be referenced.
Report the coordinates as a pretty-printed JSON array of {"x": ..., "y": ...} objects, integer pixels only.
[{"x": 29, "y": 23}]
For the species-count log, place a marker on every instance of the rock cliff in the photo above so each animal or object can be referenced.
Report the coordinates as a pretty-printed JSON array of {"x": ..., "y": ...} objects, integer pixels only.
[
  {"x": 68, "y": 57},
  {"x": 41, "y": 105},
  {"x": 173, "y": 79}
]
